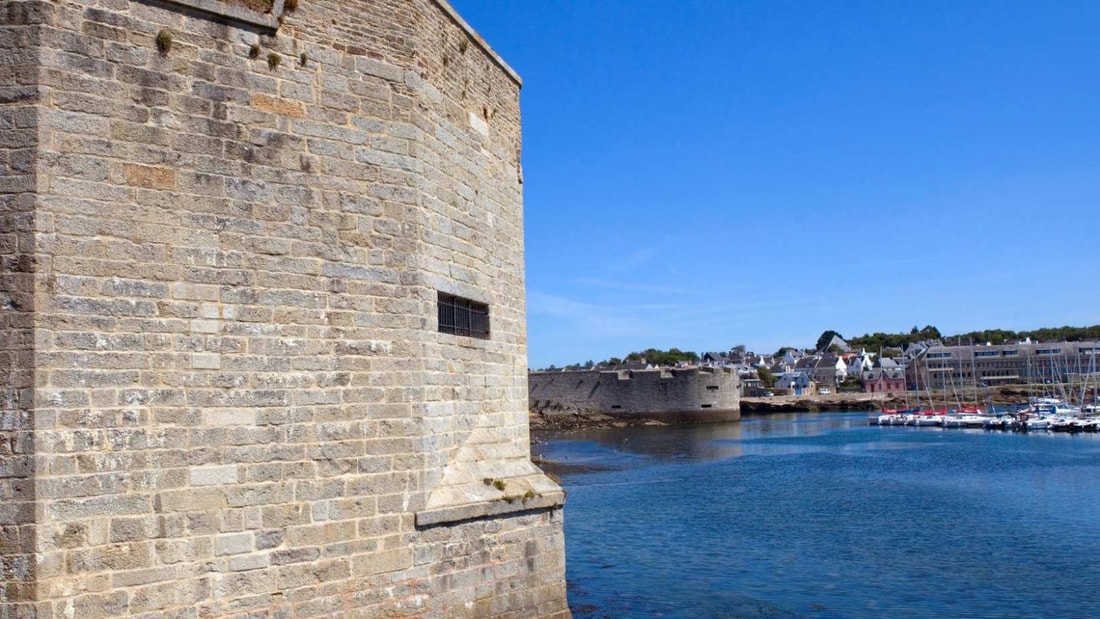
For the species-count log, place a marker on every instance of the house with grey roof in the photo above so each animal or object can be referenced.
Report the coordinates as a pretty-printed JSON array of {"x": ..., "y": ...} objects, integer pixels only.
[
  {"x": 795, "y": 382},
  {"x": 716, "y": 359},
  {"x": 830, "y": 370},
  {"x": 838, "y": 342}
]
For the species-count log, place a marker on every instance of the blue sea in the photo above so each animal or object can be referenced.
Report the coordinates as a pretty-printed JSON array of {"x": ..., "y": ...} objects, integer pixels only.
[{"x": 821, "y": 515}]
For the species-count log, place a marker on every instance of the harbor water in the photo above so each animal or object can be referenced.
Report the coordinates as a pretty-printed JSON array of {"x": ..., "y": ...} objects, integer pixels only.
[{"x": 822, "y": 515}]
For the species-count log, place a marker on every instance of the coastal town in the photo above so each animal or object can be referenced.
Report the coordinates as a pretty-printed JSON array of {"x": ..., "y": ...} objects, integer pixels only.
[
  {"x": 923, "y": 366},
  {"x": 927, "y": 377}
]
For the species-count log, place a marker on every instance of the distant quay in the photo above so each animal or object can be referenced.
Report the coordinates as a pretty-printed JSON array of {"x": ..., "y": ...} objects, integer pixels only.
[
  {"x": 1010, "y": 394},
  {"x": 817, "y": 403}
]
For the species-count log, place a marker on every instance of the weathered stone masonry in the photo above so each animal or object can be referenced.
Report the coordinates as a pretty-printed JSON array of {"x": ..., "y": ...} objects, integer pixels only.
[
  {"x": 681, "y": 395},
  {"x": 224, "y": 391}
]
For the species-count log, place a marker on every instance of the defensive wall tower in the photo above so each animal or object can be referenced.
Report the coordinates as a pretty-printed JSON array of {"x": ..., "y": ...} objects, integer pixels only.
[
  {"x": 262, "y": 341},
  {"x": 701, "y": 394}
]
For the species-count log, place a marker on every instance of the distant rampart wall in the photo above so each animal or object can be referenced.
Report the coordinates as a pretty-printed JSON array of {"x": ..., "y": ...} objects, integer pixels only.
[{"x": 690, "y": 394}]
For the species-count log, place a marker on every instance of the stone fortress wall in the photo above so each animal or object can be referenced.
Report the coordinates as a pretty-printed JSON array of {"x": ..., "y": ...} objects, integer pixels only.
[
  {"x": 701, "y": 394},
  {"x": 223, "y": 237}
]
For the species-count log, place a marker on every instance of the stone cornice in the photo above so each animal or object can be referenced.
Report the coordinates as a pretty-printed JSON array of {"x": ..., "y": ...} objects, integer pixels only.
[
  {"x": 488, "y": 509},
  {"x": 270, "y": 21},
  {"x": 450, "y": 11}
]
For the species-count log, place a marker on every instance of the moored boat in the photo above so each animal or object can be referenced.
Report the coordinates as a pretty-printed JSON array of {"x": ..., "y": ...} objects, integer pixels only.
[
  {"x": 1000, "y": 422},
  {"x": 965, "y": 420}
]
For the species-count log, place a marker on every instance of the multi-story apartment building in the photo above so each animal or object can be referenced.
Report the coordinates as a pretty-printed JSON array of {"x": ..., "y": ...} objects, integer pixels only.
[{"x": 964, "y": 366}]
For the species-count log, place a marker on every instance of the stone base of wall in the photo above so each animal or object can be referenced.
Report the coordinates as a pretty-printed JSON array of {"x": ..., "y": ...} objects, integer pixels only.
[{"x": 501, "y": 567}]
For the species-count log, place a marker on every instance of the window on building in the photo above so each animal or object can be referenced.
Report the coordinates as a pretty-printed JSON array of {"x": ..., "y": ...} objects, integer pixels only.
[{"x": 463, "y": 316}]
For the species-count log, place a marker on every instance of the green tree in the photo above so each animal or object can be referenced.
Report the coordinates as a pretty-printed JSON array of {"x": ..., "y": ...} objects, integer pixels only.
[
  {"x": 898, "y": 341},
  {"x": 879, "y": 340},
  {"x": 668, "y": 357},
  {"x": 930, "y": 333},
  {"x": 766, "y": 377}
]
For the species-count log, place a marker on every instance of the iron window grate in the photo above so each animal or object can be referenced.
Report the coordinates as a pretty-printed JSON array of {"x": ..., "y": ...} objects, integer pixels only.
[{"x": 461, "y": 316}]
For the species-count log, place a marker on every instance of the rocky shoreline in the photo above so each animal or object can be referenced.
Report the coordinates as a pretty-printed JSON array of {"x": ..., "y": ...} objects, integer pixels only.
[
  {"x": 818, "y": 403},
  {"x": 543, "y": 421}
]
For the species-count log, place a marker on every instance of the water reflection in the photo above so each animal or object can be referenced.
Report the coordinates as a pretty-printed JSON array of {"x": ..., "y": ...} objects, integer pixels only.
[
  {"x": 756, "y": 436},
  {"x": 694, "y": 443},
  {"x": 821, "y": 515}
]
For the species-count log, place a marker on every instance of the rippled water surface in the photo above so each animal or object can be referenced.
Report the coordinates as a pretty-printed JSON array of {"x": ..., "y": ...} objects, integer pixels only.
[{"x": 821, "y": 515}]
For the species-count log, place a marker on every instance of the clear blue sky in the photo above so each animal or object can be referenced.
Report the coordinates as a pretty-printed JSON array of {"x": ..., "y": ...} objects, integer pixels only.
[{"x": 706, "y": 173}]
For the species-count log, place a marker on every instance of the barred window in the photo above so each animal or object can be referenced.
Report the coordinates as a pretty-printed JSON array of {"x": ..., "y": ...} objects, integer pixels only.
[{"x": 463, "y": 316}]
